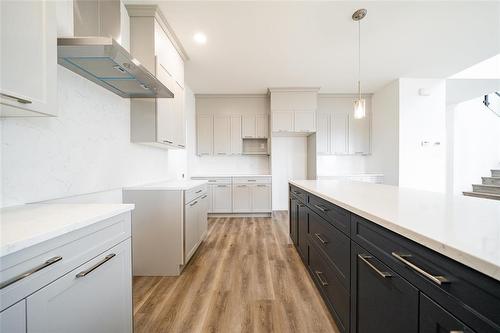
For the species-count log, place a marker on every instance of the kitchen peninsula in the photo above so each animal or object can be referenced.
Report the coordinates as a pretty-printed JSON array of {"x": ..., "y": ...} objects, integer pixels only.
[{"x": 433, "y": 260}]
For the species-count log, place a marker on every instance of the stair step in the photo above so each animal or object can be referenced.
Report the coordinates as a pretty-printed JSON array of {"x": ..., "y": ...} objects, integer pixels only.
[
  {"x": 494, "y": 189},
  {"x": 495, "y": 173},
  {"x": 491, "y": 180},
  {"x": 483, "y": 195}
]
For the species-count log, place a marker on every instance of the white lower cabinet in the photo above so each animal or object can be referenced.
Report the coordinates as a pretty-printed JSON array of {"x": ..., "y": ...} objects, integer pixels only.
[
  {"x": 221, "y": 198},
  {"x": 242, "y": 198},
  {"x": 261, "y": 198},
  {"x": 195, "y": 227},
  {"x": 95, "y": 297},
  {"x": 13, "y": 319}
]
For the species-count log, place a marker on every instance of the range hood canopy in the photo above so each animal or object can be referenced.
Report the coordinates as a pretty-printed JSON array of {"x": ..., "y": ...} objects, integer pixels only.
[{"x": 101, "y": 59}]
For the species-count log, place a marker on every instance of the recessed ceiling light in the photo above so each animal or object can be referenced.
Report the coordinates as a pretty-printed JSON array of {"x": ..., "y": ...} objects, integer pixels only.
[{"x": 200, "y": 38}]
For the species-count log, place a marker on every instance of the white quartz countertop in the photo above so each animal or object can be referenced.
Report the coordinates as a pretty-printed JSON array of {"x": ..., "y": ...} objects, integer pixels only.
[
  {"x": 168, "y": 185},
  {"x": 465, "y": 229},
  {"x": 27, "y": 225},
  {"x": 230, "y": 175}
]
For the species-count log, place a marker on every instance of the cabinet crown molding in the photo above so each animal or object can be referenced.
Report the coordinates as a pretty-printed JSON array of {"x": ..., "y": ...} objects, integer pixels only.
[
  {"x": 293, "y": 89},
  {"x": 155, "y": 11}
]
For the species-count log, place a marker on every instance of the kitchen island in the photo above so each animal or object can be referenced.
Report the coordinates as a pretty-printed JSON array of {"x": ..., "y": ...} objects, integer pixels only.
[{"x": 389, "y": 259}]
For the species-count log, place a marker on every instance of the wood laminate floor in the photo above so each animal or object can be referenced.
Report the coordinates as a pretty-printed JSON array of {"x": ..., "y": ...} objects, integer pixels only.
[{"x": 245, "y": 277}]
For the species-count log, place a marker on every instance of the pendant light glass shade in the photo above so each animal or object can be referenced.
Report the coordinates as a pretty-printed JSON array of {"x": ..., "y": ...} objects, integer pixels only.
[{"x": 359, "y": 109}]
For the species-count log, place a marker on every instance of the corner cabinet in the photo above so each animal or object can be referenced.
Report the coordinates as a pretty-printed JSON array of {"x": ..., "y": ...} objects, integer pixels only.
[
  {"x": 374, "y": 280},
  {"x": 28, "y": 84},
  {"x": 157, "y": 121}
]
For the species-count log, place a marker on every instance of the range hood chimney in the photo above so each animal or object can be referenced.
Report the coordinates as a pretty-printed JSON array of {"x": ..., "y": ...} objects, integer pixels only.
[{"x": 95, "y": 53}]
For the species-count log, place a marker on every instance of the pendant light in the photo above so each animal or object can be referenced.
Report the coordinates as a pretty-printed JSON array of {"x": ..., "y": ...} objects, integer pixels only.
[{"x": 359, "y": 103}]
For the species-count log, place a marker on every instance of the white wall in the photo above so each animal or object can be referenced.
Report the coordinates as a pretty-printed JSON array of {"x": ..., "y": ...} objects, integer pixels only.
[
  {"x": 85, "y": 149},
  {"x": 230, "y": 104},
  {"x": 422, "y": 119},
  {"x": 476, "y": 144},
  {"x": 385, "y": 133},
  {"x": 289, "y": 161},
  {"x": 331, "y": 165}
]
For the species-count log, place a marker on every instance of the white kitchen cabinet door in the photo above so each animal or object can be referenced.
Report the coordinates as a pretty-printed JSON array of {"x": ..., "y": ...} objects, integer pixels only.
[
  {"x": 222, "y": 198},
  {"x": 180, "y": 119},
  {"x": 261, "y": 198},
  {"x": 95, "y": 297},
  {"x": 205, "y": 134},
  {"x": 210, "y": 198},
  {"x": 323, "y": 133},
  {"x": 242, "y": 198},
  {"x": 222, "y": 135},
  {"x": 283, "y": 121},
  {"x": 166, "y": 118},
  {"x": 191, "y": 228},
  {"x": 359, "y": 135},
  {"x": 261, "y": 126},
  {"x": 305, "y": 121},
  {"x": 28, "y": 58},
  {"x": 13, "y": 319},
  {"x": 236, "y": 141},
  {"x": 339, "y": 132},
  {"x": 249, "y": 126},
  {"x": 203, "y": 217}
]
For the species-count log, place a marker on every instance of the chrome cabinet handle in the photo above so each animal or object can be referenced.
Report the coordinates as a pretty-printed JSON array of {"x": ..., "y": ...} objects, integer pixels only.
[
  {"x": 365, "y": 257},
  {"x": 323, "y": 282},
  {"x": 198, "y": 191},
  {"x": 93, "y": 268},
  {"x": 221, "y": 185},
  {"x": 251, "y": 180},
  {"x": 296, "y": 193},
  {"x": 182, "y": 146},
  {"x": 242, "y": 186},
  {"x": 194, "y": 203},
  {"x": 166, "y": 141},
  {"x": 261, "y": 185},
  {"x": 17, "y": 99},
  {"x": 321, "y": 208},
  {"x": 318, "y": 236},
  {"x": 456, "y": 331},
  {"x": 212, "y": 181},
  {"x": 438, "y": 279},
  {"x": 32, "y": 271},
  {"x": 203, "y": 197}
]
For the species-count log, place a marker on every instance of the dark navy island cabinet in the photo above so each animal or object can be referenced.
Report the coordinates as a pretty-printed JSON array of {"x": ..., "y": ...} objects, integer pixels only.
[{"x": 374, "y": 280}]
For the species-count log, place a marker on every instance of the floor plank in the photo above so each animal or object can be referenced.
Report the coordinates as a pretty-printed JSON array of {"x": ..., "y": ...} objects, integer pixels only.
[{"x": 245, "y": 277}]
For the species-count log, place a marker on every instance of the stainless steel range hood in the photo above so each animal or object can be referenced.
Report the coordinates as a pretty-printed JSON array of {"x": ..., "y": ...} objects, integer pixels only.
[{"x": 95, "y": 54}]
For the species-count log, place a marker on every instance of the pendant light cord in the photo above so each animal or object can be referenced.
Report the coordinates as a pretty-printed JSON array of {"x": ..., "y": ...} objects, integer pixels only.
[{"x": 359, "y": 59}]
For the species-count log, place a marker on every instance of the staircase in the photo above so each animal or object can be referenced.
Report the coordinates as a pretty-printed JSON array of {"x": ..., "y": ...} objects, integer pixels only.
[{"x": 489, "y": 189}]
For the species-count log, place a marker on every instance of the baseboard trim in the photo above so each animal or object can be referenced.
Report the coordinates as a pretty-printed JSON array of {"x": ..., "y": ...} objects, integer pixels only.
[{"x": 239, "y": 214}]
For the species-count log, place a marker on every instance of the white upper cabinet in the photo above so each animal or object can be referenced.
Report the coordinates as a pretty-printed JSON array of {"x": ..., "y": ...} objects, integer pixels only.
[
  {"x": 338, "y": 132},
  {"x": 249, "y": 126},
  {"x": 222, "y": 135},
  {"x": 261, "y": 126},
  {"x": 163, "y": 122},
  {"x": 28, "y": 58},
  {"x": 205, "y": 134},
  {"x": 282, "y": 121},
  {"x": 236, "y": 141},
  {"x": 293, "y": 110}
]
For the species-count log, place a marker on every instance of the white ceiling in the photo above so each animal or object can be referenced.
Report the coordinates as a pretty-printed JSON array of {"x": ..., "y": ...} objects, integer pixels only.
[{"x": 255, "y": 45}]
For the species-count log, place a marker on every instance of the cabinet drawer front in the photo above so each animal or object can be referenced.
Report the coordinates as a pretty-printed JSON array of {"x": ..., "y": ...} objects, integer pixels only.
[
  {"x": 336, "y": 216},
  {"x": 75, "y": 248},
  {"x": 252, "y": 180},
  {"x": 95, "y": 297},
  {"x": 471, "y": 296},
  {"x": 335, "y": 245},
  {"x": 299, "y": 193},
  {"x": 194, "y": 193},
  {"x": 215, "y": 180},
  {"x": 433, "y": 318},
  {"x": 335, "y": 295}
]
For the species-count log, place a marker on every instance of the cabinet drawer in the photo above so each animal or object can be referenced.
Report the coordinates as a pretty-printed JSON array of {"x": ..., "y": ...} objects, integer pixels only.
[
  {"x": 433, "y": 318},
  {"x": 335, "y": 245},
  {"x": 299, "y": 193},
  {"x": 194, "y": 193},
  {"x": 215, "y": 180},
  {"x": 334, "y": 294},
  {"x": 73, "y": 248},
  {"x": 471, "y": 296},
  {"x": 336, "y": 216},
  {"x": 252, "y": 180}
]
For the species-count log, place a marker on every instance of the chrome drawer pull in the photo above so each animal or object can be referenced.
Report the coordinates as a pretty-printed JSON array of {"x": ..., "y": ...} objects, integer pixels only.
[
  {"x": 296, "y": 193},
  {"x": 30, "y": 272},
  {"x": 221, "y": 185},
  {"x": 166, "y": 141},
  {"x": 365, "y": 258},
  {"x": 434, "y": 278},
  {"x": 323, "y": 282},
  {"x": 456, "y": 331},
  {"x": 318, "y": 236},
  {"x": 261, "y": 185},
  {"x": 100, "y": 263},
  {"x": 194, "y": 203},
  {"x": 252, "y": 180},
  {"x": 17, "y": 99},
  {"x": 321, "y": 208},
  {"x": 203, "y": 197},
  {"x": 198, "y": 191}
]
